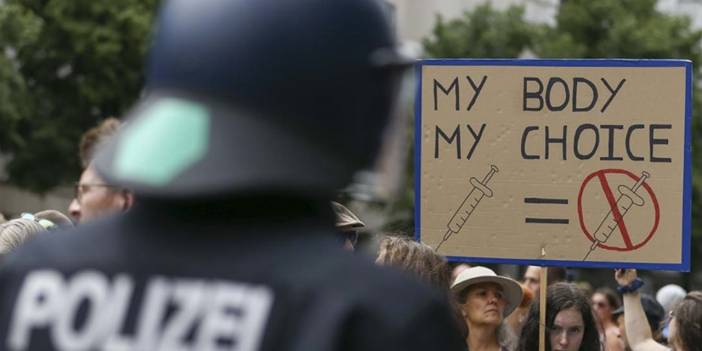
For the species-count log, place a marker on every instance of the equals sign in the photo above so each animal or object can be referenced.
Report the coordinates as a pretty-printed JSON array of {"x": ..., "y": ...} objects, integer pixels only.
[{"x": 542, "y": 200}]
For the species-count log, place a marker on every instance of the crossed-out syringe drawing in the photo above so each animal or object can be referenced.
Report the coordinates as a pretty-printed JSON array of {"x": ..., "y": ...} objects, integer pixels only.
[
  {"x": 627, "y": 198},
  {"x": 470, "y": 202}
]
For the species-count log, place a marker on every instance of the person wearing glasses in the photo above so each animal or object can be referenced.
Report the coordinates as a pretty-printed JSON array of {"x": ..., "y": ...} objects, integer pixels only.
[
  {"x": 570, "y": 322},
  {"x": 93, "y": 197},
  {"x": 604, "y": 302}
]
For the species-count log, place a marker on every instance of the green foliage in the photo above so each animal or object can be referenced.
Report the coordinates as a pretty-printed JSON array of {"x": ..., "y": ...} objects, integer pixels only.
[
  {"x": 16, "y": 28},
  {"x": 66, "y": 65},
  {"x": 621, "y": 29},
  {"x": 481, "y": 33},
  {"x": 484, "y": 33}
]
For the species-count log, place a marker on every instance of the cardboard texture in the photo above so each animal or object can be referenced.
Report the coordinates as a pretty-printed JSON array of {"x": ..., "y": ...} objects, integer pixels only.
[{"x": 572, "y": 162}]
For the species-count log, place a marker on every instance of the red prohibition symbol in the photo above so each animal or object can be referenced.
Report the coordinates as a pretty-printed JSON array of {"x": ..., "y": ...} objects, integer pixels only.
[{"x": 611, "y": 198}]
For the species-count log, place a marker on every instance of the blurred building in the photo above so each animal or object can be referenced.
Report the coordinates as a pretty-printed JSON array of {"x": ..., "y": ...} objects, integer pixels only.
[
  {"x": 415, "y": 19},
  {"x": 691, "y": 8}
]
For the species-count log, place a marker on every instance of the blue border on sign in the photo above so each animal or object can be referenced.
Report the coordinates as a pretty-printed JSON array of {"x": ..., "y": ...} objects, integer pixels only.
[
  {"x": 687, "y": 176},
  {"x": 687, "y": 167},
  {"x": 557, "y": 63},
  {"x": 417, "y": 150}
]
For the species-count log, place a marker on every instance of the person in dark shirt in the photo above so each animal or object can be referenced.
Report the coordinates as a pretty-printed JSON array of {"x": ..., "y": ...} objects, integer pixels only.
[{"x": 255, "y": 112}]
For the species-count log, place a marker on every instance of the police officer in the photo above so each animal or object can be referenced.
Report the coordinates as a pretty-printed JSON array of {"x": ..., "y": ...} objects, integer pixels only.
[{"x": 256, "y": 112}]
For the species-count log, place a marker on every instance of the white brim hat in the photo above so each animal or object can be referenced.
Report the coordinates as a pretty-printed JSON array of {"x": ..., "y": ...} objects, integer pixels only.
[
  {"x": 345, "y": 219},
  {"x": 510, "y": 288}
]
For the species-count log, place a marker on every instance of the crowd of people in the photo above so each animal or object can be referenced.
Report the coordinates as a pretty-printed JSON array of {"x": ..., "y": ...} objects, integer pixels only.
[
  {"x": 494, "y": 312},
  {"x": 208, "y": 220},
  {"x": 576, "y": 318}
]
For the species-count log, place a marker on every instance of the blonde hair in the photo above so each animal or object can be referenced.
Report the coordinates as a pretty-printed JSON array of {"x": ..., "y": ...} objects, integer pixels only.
[
  {"x": 423, "y": 262},
  {"x": 416, "y": 258},
  {"x": 95, "y": 137}
]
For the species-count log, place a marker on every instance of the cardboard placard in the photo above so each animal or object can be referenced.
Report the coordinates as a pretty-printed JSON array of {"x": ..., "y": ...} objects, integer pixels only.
[{"x": 555, "y": 162}]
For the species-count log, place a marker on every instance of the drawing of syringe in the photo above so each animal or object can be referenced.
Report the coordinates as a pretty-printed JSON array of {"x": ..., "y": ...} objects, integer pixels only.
[
  {"x": 469, "y": 204},
  {"x": 627, "y": 198}
]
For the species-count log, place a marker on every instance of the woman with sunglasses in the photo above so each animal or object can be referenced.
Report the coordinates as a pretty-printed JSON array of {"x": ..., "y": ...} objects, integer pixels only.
[
  {"x": 604, "y": 302},
  {"x": 685, "y": 323}
]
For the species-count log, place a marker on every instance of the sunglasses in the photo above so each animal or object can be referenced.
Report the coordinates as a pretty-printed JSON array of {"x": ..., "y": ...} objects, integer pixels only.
[{"x": 601, "y": 304}]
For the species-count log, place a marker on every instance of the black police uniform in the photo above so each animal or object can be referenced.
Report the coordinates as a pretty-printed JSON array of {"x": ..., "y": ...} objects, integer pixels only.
[
  {"x": 211, "y": 281},
  {"x": 255, "y": 112}
]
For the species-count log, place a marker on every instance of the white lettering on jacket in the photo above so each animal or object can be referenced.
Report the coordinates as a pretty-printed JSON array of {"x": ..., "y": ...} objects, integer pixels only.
[{"x": 88, "y": 311}]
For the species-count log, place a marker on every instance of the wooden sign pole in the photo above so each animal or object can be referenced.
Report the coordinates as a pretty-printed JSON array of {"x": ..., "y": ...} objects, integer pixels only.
[{"x": 542, "y": 308}]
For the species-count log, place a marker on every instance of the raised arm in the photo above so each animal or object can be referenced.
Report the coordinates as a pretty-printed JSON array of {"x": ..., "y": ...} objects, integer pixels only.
[{"x": 638, "y": 331}]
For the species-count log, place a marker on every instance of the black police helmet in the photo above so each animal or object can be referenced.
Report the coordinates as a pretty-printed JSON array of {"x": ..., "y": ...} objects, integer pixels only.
[{"x": 258, "y": 95}]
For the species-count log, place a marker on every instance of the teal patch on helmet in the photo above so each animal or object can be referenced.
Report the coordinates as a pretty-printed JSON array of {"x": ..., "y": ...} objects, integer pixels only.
[{"x": 171, "y": 136}]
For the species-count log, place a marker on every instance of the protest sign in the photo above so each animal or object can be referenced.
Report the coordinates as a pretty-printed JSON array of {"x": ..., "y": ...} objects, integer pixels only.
[{"x": 555, "y": 162}]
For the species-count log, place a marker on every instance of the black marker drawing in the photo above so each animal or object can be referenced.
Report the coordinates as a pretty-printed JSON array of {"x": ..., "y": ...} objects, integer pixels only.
[
  {"x": 531, "y": 220},
  {"x": 627, "y": 198},
  {"x": 545, "y": 201},
  {"x": 470, "y": 202}
]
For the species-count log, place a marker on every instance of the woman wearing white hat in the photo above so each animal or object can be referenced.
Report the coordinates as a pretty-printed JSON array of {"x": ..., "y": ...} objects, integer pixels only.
[{"x": 486, "y": 299}]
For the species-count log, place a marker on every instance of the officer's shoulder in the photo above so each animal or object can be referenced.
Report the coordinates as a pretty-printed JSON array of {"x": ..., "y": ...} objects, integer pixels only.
[
  {"x": 392, "y": 303},
  {"x": 361, "y": 277}
]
